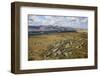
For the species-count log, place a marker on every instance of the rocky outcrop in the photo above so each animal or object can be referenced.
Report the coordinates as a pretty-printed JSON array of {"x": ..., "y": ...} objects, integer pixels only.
[{"x": 66, "y": 49}]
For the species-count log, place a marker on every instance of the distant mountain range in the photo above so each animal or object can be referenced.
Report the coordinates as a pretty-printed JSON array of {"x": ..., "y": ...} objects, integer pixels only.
[{"x": 41, "y": 29}]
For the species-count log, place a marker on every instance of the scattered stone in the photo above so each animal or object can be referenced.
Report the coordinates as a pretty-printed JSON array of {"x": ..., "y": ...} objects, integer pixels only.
[
  {"x": 66, "y": 54},
  {"x": 63, "y": 49}
]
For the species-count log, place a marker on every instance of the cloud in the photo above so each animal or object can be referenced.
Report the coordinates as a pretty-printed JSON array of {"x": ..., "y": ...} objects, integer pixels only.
[{"x": 68, "y": 21}]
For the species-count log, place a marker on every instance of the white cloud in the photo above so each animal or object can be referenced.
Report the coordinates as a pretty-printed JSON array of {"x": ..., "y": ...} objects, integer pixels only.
[{"x": 71, "y": 21}]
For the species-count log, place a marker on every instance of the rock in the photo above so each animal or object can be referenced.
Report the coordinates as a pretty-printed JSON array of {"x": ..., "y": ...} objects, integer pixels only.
[
  {"x": 54, "y": 54},
  {"x": 59, "y": 52},
  {"x": 70, "y": 53},
  {"x": 49, "y": 53},
  {"x": 66, "y": 54},
  {"x": 67, "y": 45},
  {"x": 54, "y": 50},
  {"x": 77, "y": 46}
]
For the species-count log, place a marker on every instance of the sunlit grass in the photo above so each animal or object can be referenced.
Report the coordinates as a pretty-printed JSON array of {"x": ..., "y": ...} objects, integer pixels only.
[{"x": 69, "y": 45}]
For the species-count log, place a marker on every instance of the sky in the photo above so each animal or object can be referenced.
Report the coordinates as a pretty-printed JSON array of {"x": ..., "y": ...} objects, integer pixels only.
[{"x": 66, "y": 21}]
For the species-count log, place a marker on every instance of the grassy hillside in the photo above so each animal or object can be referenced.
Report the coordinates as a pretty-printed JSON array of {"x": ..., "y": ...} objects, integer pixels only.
[{"x": 69, "y": 45}]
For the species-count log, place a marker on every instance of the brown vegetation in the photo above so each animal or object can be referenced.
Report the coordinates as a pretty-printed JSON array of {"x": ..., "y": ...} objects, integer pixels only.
[{"x": 69, "y": 45}]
